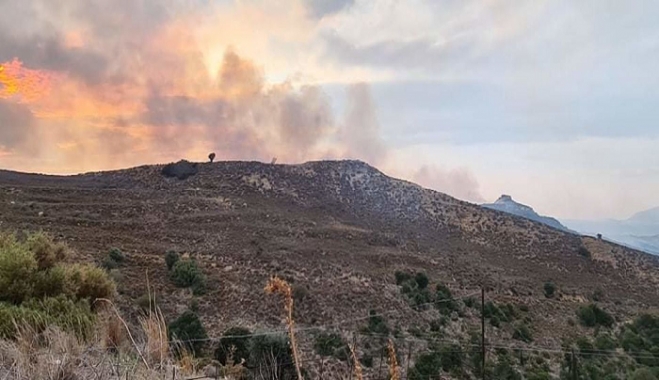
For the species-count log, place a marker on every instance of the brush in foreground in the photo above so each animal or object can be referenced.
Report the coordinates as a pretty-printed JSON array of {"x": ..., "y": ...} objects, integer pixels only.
[{"x": 277, "y": 285}]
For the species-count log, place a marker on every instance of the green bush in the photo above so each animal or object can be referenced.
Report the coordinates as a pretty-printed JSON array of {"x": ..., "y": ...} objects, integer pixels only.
[
  {"x": 592, "y": 315},
  {"x": 523, "y": 333},
  {"x": 37, "y": 289},
  {"x": 421, "y": 280},
  {"x": 89, "y": 282},
  {"x": 271, "y": 356},
  {"x": 430, "y": 365},
  {"x": 470, "y": 302},
  {"x": 331, "y": 344},
  {"x": 377, "y": 324},
  {"x": 427, "y": 366},
  {"x": 51, "y": 282},
  {"x": 444, "y": 301},
  {"x": 116, "y": 255},
  {"x": 237, "y": 339},
  {"x": 75, "y": 317},
  {"x": 367, "y": 360},
  {"x": 171, "y": 258},
  {"x": 188, "y": 331},
  {"x": 598, "y": 295},
  {"x": 402, "y": 277},
  {"x": 643, "y": 374},
  {"x": 186, "y": 273},
  {"x": 549, "y": 289},
  {"x": 17, "y": 266},
  {"x": 46, "y": 252}
]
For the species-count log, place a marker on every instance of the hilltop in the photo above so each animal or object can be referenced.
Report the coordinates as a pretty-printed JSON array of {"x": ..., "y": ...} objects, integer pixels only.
[
  {"x": 338, "y": 231},
  {"x": 505, "y": 203}
]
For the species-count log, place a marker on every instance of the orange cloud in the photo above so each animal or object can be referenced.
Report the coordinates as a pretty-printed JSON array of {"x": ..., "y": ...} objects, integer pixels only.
[{"x": 22, "y": 84}]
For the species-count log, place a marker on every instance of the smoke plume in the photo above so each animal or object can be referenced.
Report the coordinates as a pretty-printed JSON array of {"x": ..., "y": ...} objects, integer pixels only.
[{"x": 109, "y": 84}]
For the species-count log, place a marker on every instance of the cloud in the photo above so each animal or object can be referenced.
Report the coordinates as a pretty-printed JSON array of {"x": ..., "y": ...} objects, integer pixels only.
[
  {"x": 18, "y": 124},
  {"x": 321, "y": 8}
]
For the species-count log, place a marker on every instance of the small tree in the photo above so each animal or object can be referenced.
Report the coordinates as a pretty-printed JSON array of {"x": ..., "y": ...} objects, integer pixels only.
[
  {"x": 188, "y": 330},
  {"x": 592, "y": 315},
  {"x": 421, "y": 280},
  {"x": 186, "y": 273},
  {"x": 211, "y": 157},
  {"x": 171, "y": 258},
  {"x": 550, "y": 289}
]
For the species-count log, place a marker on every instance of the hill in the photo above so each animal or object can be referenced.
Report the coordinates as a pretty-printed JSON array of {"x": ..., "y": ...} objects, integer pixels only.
[
  {"x": 505, "y": 203},
  {"x": 640, "y": 231},
  {"x": 338, "y": 231}
]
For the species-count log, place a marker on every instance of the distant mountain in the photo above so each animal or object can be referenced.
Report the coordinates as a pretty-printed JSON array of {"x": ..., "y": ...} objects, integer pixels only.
[
  {"x": 506, "y": 204},
  {"x": 641, "y": 231}
]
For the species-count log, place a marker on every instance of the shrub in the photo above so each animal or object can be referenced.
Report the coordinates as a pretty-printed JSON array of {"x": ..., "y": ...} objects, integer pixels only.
[
  {"x": 75, "y": 317},
  {"x": 494, "y": 321},
  {"x": 236, "y": 342},
  {"x": 367, "y": 361},
  {"x": 605, "y": 342},
  {"x": 331, "y": 344},
  {"x": 421, "y": 280},
  {"x": 470, "y": 302},
  {"x": 46, "y": 252},
  {"x": 598, "y": 295},
  {"x": 583, "y": 251},
  {"x": 52, "y": 282},
  {"x": 523, "y": 333},
  {"x": 402, "y": 277},
  {"x": 116, "y": 255},
  {"x": 444, "y": 299},
  {"x": 89, "y": 282},
  {"x": 300, "y": 292},
  {"x": 17, "y": 265},
  {"x": 377, "y": 324},
  {"x": 592, "y": 315},
  {"x": 550, "y": 289},
  {"x": 643, "y": 374},
  {"x": 171, "y": 258},
  {"x": 430, "y": 365},
  {"x": 427, "y": 366},
  {"x": 271, "y": 356},
  {"x": 186, "y": 273},
  {"x": 188, "y": 330},
  {"x": 180, "y": 170}
]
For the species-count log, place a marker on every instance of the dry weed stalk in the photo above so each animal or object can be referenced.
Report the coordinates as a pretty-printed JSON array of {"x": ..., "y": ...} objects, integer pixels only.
[
  {"x": 154, "y": 326},
  {"x": 394, "y": 372},
  {"x": 355, "y": 363},
  {"x": 277, "y": 285}
]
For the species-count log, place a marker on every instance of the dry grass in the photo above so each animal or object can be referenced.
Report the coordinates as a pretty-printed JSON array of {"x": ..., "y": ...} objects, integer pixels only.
[
  {"x": 355, "y": 363},
  {"x": 394, "y": 370},
  {"x": 277, "y": 285}
]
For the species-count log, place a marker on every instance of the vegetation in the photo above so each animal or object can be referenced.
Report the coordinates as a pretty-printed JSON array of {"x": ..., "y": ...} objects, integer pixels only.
[
  {"x": 38, "y": 289},
  {"x": 186, "y": 274},
  {"x": 114, "y": 259},
  {"x": 234, "y": 344},
  {"x": 188, "y": 331},
  {"x": 583, "y": 251},
  {"x": 331, "y": 344},
  {"x": 549, "y": 289},
  {"x": 592, "y": 316},
  {"x": 171, "y": 258}
]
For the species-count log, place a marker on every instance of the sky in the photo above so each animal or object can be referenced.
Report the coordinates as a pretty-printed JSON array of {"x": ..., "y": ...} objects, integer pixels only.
[{"x": 551, "y": 101}]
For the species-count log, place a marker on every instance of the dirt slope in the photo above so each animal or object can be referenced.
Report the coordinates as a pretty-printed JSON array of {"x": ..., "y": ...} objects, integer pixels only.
[{"x": 338, "y": 229}]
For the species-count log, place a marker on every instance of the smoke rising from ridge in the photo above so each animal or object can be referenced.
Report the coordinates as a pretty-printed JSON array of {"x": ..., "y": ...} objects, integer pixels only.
[{"x": 116, "y": 84}]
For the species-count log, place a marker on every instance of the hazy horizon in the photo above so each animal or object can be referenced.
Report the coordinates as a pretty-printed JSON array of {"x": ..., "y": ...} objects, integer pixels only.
[{"x": 552, "y": 102}]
